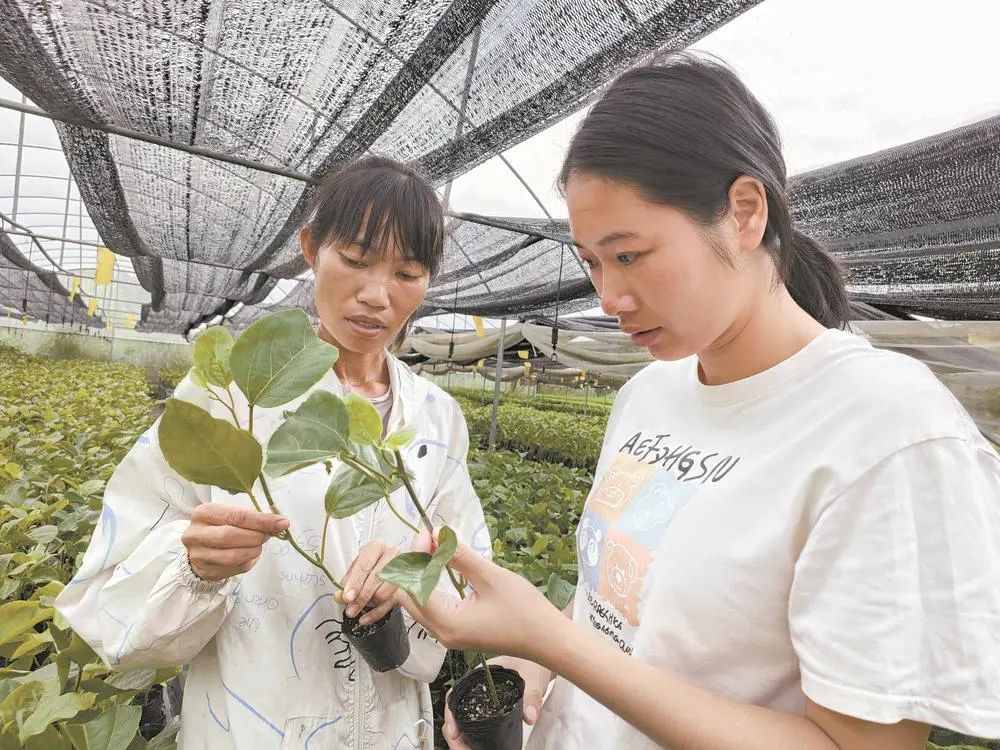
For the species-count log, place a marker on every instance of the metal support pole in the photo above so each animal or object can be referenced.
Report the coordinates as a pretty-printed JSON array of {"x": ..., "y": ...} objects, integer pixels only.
[{"x": 496, "y": 386}]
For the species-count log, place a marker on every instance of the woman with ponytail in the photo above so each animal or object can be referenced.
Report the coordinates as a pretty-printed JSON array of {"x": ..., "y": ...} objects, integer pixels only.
[{"x": 793, "y": 539}]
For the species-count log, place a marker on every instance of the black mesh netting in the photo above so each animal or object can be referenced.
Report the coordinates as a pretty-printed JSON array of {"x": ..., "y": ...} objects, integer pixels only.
[
  {"x": 305, "y": 86},
  {"x": 27, "y": 289},
  {"x": 917, "y": 228}
]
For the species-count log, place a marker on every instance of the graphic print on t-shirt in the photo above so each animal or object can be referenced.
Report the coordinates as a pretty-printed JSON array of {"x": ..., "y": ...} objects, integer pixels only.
[{"x": 623, "y": 522}]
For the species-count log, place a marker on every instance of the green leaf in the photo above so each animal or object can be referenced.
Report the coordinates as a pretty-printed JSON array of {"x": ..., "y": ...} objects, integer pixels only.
[
  {"x": 133, "y": 679},
  {"x": 350, "y": 491},
  {"x": 559, "y": 591},
  {"x": 91, "y": 487},
  {"x": 366, "y": 422},
  {"x": 113, "y": 730},
  {"x": 279, "y": 358},
  {"x": 167, "y": 739},
  {"x": 18, "y": 617},
  {"x": 32, "y": 645},
  {"x": 211, "y": 356},
  {"x": 25, "y": 696},
  {"x": 314, "y": 432},
  {"x": 50, "y": 710},
  {"x": 206, "y": 450},
  {"x": 44, "y": 534},
  {"x": 400, "y": 437},
  {"x": 417, "y": 573},
  {"x": 79, "y": 651}
]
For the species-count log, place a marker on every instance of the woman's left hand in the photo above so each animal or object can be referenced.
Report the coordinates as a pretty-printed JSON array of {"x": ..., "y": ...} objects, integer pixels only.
[
  {"x": 363, "y": 586},
  {"x": 504, "y": 613}
]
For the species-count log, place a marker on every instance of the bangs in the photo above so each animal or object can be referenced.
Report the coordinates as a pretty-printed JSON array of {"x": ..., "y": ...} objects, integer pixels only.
[{"x": 379, "y": 205}]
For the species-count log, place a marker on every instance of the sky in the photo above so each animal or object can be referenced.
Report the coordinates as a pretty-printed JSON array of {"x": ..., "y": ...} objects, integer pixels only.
[{"x": 842, "y": 78}]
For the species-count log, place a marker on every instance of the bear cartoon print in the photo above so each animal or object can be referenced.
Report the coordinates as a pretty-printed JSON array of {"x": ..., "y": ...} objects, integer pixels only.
[{"x": 622, "y": 524}]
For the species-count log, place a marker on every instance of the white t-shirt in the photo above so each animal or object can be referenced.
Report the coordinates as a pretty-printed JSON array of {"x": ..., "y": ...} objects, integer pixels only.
[{"x": 829, "y": 527}]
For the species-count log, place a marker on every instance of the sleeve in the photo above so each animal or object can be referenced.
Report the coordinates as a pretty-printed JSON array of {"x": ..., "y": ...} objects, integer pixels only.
[
  {"x": 454, "y": 504},
  {"x": 135, "y": 599},
  {"x": 894, "y": 609}
]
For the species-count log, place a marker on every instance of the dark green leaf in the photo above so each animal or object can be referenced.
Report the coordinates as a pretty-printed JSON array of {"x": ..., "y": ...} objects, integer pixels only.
[
  {"x": 113, "y": 730},
  {"x": 314, "y": 432},
  {"x": 417, "y": 573},
  {"x": 350, "y": 491},
  {"x": 279, "y": 358},
  {"x": 559, "y": 592},
  {"x": 206, "y": 450}
]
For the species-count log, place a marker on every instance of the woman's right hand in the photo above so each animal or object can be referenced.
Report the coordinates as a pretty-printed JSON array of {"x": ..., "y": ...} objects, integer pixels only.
[
  {"x": 226, "y": 540},
  {"x": 536, "y": 682}
]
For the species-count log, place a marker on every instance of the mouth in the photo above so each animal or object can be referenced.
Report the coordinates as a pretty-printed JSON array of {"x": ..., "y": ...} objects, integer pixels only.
[
  {"x": 642, "y": 336},
  {"x": 365, "y": 325}
]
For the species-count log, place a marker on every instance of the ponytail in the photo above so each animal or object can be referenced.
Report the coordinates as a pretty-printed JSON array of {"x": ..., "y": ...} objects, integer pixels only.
[
  {"x": 681, "y": 131},
  {"x": 814, "y": 279}
]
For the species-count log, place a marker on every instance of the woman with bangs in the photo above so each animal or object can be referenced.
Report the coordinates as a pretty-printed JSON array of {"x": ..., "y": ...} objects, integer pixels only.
[{"x": 183, "y": 576}]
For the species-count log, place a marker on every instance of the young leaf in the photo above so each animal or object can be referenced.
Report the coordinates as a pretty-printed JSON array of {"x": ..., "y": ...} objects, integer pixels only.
[
  {"x": 206, "y": 450},
  {"x": 279, "y": 358},
  {"x": 417, "y": 573},
  {"x": 211, "y": 356},
  {"x": 50, "y": 710},
  {"x": 349, "y": 492},
  {"x": 559, "y": 592},
  {"x": 400, "y": 438},
  {"x": 366, "y": 423},
  {"x": 113, "y": 730},
  {"x": 316, "y": 431}
]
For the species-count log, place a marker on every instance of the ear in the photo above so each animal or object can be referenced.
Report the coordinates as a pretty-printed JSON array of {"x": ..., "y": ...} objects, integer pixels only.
[
  {"x": 309, "y": 250},
  {"x": 748, "y": 212}
]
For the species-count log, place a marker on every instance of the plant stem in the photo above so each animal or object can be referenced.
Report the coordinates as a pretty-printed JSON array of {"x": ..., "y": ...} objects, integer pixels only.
[
  {"x": 401, "y": 469},
  {"x": 231, "y": 409},
  {"x": 401, "y": 517},
  {"x": 322, "y": 543},
  {"x": 250, "y": 428},
  {"x": 289, "y": 538}
]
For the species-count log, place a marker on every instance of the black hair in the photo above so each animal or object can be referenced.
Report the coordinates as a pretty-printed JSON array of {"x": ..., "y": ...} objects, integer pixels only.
[
  {"x": 681, "y": 131},
  {"x": 390, "y": 203},
  {"x": 385, "y": 200}
]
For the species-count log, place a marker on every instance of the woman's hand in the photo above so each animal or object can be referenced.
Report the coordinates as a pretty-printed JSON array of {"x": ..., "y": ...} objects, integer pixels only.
[
  {"x": 363, "y": 586},
  {"x": 536, "y": 682},
  {"x": 226, "y": 540},
  {"x": 504, "y": 614}
]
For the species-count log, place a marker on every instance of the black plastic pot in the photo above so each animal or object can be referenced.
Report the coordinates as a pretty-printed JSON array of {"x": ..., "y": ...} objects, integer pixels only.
[
  {"x": 383, "y": 644},
  {"x": 502, "y": 731}
]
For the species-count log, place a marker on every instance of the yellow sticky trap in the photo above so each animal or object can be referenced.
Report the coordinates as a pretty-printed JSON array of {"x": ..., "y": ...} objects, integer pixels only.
[
  {"x": 130, "y": 321},
  {"x": 480, "y": 329},
  {"x": 522, "y": 354},
  {"x": 73, "y": 289},
  {"x": 91, "y": 307},
  {"x": 105, "y": 266}
]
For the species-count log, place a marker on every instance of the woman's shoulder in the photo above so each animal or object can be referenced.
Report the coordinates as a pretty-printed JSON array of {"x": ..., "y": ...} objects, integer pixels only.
[{"x": 881, "y": 387}]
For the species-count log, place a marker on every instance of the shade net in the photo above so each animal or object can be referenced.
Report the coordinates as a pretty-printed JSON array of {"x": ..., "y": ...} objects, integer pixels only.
[
  {"x": 916, "y": 227},
  {"x": 27, "y": 289},
  {"x": 305, "y": 86}
]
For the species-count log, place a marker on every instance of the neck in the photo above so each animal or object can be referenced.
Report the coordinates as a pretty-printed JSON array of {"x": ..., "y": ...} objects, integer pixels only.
[
  {"x": 365, "y": 373},
  {"x": 771, "y": 331}
]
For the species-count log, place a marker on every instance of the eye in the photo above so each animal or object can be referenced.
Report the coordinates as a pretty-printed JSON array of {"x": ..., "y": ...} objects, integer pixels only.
[
  {"x": 408, "y": 276},
  {"x": 352, "y": 262},
  {"x": 627, "y": 259},
  {"x": 590, "y": 264}
]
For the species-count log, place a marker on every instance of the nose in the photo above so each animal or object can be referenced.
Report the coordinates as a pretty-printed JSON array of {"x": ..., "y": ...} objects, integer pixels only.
[
  {"x": 616, "y": 297},
  {"x": 374, "y": 291}
]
